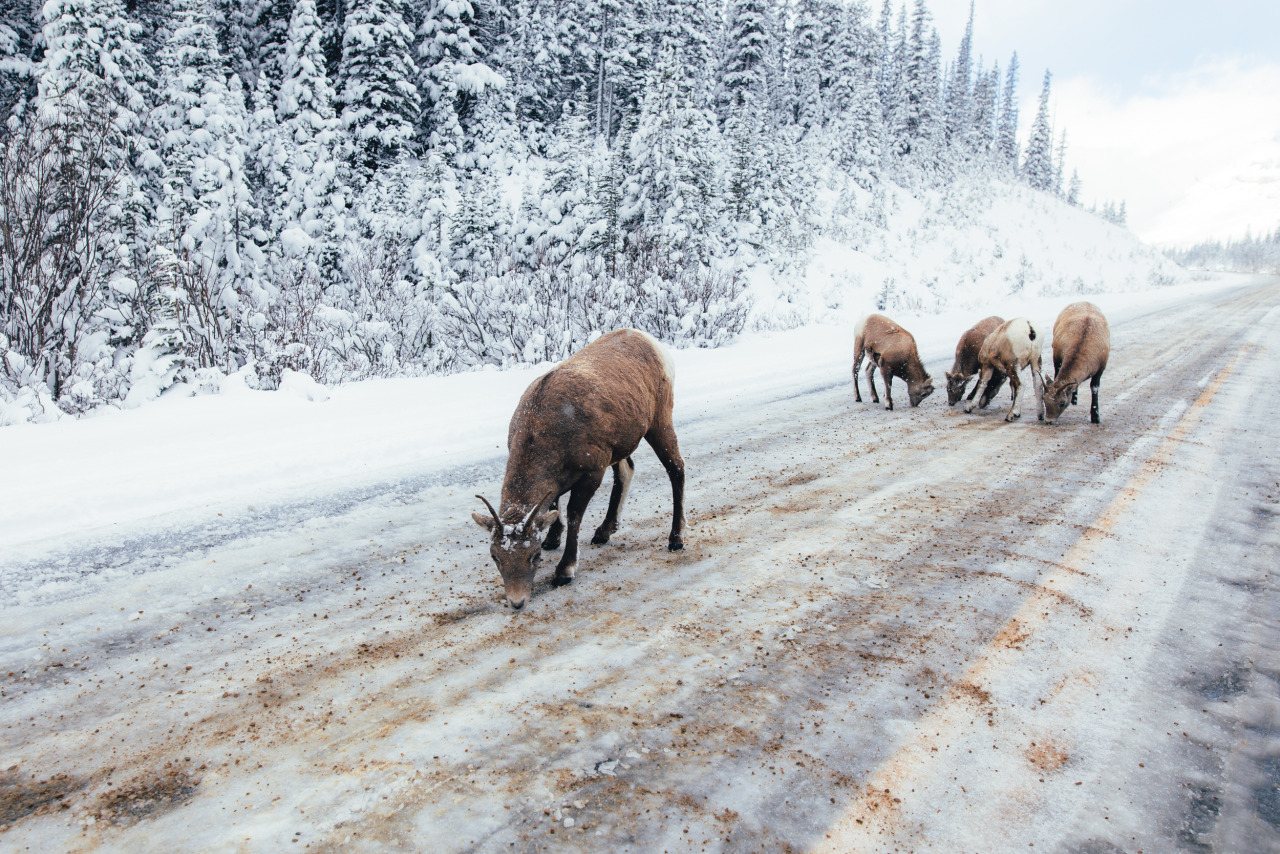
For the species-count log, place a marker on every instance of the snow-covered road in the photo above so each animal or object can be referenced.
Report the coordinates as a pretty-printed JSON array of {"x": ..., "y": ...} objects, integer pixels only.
[{"x": 917, "y": 630}]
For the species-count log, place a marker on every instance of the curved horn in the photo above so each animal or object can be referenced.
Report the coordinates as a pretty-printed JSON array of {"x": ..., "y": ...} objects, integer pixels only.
[
  {"x": 496, "y": 520},
  {"x": 527, "y": 522}
]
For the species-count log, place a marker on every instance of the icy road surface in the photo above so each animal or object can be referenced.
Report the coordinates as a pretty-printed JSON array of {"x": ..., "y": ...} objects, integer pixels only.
[{"x": 915, "y": 630}]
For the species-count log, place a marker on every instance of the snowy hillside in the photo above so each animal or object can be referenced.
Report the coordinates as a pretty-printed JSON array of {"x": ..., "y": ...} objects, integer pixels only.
[{"x": 958, "y": 247}]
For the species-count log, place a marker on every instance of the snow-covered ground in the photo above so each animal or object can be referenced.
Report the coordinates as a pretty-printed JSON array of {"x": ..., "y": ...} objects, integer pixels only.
[{"x": 253, "y": 618}]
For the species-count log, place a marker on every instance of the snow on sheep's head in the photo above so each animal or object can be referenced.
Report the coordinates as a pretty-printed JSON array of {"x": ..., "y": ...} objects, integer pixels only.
[
  {"x": 516, "y": 547},
  {"x": 955, "y": 387}
]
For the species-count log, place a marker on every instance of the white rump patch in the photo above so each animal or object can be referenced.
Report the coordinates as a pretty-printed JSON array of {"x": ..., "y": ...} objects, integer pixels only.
[{"x": 668, "y": 365}]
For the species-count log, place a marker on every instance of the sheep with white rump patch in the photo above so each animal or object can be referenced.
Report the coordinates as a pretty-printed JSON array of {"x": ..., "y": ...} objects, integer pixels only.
[
  {"x": 1014, "y": 345},
  {"x": 572, "y": 424}
]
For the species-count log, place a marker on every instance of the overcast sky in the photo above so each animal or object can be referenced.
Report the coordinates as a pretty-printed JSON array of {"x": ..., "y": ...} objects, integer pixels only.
[{"x": 1172, "y": 106}]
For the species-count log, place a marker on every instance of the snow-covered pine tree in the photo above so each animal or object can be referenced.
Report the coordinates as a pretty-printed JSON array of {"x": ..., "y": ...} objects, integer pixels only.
[
  {"x": 480, "y": 234},
  {"x": 934, "y": 153},
  {"x": 856, "y": 127},
  {"x": 453, "y": 77},
  {"x": 744, "y": 67},
  {"x": 380, "y": 101},
  {"x": 805, "y": 66},
  {"x": 18, "y": 28},
  {"x": 530, "y": 56},
  {"x": 687, "y": 25},
  {"x": 310, "y": 221},
  {"x": 556, "y": 234},
  {"x": 619, "y": 55},
  {"x": 672, "y": 194},
  {"x": 920, "y": 88},
  {"x": 1060, "y": 164},
  {"x": 603, "y": 235},
  {"x": 1073, "y": 189},
  {"x": 982, "y": 134},
  {"x": 252, "y": 36},
  {"x": 1037, "y": 165},
  {"x": 888, "y": 70},
  {"x": 209, "y": 220},
  {"x": 1007, "y": 154},
  {"x": 91, "y": 53},
  {"x": 93, "y": 64},
  {"x": 430, "y": 257},
  {"x": 161, "y": 359},
  {"x": 959, "y": 98}
]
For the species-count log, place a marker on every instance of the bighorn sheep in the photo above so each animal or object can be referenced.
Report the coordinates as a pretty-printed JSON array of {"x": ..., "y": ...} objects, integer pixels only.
[
  {"x": 966, "y": 364},
  {"x": 892, "y": 349},
  {"x": 1014, "y": 345},
  {"x": 571, "y": 425},
  {"x": 1081, "y": 347}
]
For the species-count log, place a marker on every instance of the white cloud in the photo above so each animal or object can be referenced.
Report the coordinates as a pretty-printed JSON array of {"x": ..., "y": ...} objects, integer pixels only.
[{"x": 1195, "y": 156}]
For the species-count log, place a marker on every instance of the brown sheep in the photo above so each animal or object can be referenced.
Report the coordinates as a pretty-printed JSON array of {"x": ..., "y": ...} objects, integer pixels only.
[
  {"x": 966, "y": 363},
  {"x": 893, "y": 350},
  {"x": 572, "y": 424},
  {"x": 1081, "y": 347}
]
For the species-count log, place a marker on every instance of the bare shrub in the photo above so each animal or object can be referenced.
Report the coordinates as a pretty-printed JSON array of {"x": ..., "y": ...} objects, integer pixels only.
[
  {"x": 57, "y": 177},
  {"x": 390, "y": 324}
]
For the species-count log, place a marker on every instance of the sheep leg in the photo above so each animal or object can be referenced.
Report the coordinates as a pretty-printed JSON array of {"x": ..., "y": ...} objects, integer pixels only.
[
  {"x": 887, "y": 374},
  {"x": 993, "y": 387},
  {"x": 1095, "y": 385},
  {"x": 663, "y": 441},
  {"x": 871, "y": 378},
  {"x": 1037, "y": 383},
  {"x": 857, "y": 366},
  {"x": 623, "y": 470},
  {"x": 552, "y": 540},
  {"x": 579, "y": 498},
  {"x": 977, "y": 387},
  {"x": 1014, "y": 386},
  {"x": 984, "y": 374}
]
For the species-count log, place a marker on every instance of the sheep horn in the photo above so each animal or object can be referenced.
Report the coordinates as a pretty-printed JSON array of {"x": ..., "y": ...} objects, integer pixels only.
[
  {"x": 527, "y": 524},
  {"x": 496, "y": 520}
]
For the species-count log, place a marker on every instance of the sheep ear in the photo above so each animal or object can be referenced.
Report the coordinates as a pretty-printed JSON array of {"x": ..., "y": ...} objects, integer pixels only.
[
  {"x": 486, "y": 522},
  {"x": 548, "y": 518}
]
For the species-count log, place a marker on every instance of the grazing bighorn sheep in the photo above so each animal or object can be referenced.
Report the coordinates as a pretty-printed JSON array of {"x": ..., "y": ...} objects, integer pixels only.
[
  {"x": 1081, "y": 347},
  {"x": 892, "y": 349},
  {"x": 1014, "y": 345},
  {"x": 966, "y": 364},
  {"x": 571, "y": 425}
]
